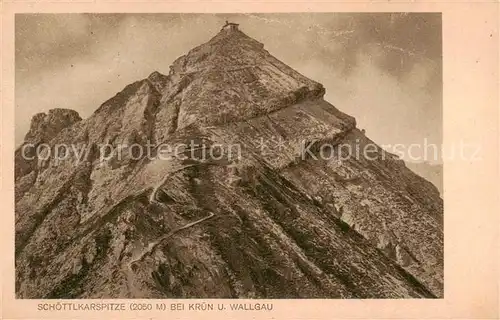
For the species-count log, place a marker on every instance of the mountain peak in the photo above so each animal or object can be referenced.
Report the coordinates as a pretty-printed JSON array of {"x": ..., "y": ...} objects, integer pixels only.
[
  {"x": 263, "y": 220},
  {"x": 232, "y": 78},
  {"x": 154, "y": 75},
  {"x": 45, "y": 126}
]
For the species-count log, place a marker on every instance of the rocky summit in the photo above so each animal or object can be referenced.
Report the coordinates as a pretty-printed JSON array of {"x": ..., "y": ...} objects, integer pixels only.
[{"x": 279, "y": 220}]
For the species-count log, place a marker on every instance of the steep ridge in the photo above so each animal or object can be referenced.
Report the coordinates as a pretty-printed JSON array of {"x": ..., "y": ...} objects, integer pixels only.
[{"x": 109, "y": 222}]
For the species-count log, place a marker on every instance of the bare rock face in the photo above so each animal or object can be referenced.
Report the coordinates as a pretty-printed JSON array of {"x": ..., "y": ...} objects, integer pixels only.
[
  {"x": 429, "y": 171},
  {"x": 43, "y": 128},
  {"x": 273, "y": 222}
]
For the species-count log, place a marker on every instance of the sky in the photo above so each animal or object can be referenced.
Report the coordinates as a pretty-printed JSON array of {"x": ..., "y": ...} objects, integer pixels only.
[{"x": 385, "y": 69}]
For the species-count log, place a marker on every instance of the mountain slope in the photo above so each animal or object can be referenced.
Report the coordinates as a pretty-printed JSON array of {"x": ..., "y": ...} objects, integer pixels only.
[
  {"x": 108, "y": 222},
  {"x": 429, "y": 171}
]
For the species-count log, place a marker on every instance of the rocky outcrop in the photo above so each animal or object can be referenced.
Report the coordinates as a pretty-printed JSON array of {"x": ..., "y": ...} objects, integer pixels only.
[
  {"x": 43, "y": 128},
  {"x": 266, "y": 221}
]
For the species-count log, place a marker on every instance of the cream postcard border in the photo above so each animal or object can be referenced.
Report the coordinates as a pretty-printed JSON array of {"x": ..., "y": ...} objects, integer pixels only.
[{"x": 471, "y": 189}]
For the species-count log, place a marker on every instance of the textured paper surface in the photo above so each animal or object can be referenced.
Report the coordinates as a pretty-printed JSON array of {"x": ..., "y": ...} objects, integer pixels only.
[{"x": 470, "y": 113}]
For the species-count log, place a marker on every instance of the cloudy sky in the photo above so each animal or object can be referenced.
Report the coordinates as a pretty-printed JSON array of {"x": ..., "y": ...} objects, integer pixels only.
[{"x": 383, "y": 69}]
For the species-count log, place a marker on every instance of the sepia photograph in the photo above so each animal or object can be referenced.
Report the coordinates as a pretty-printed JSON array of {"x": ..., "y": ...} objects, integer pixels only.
[{"x": 252, "y": 155}]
